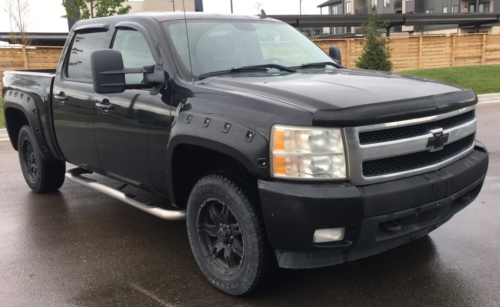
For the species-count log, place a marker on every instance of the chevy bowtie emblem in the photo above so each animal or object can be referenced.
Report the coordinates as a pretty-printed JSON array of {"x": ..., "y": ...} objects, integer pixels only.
[{"x": 437, "y": 142}]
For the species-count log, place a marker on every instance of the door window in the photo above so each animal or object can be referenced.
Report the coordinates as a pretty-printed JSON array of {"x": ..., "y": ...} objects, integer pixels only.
[
  {"x": 135, "y": 52},
  {"x": 78, "y": 65}
]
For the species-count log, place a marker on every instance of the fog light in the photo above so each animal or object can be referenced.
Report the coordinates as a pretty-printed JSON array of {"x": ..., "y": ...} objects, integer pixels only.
[{"x": 328, "y": 235}]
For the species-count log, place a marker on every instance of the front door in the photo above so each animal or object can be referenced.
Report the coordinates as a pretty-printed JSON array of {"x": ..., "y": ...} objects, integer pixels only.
[
  {"x": 125, "y": 122},
  {"x": 73, "y": 101}
]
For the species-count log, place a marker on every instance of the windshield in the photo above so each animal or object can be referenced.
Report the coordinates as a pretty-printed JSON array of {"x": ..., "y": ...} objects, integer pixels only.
[{"x": 219, "y": 45}]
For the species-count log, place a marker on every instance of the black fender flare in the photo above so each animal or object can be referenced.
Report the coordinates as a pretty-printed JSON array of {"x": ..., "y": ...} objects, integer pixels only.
[
  {"x": 212, "y": 132},
  {"x": 26, "y": 104}
]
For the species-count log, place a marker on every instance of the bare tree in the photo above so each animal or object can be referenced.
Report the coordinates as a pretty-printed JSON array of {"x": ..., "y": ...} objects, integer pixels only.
[
  {"x": 18, "y": 11},
  {"x": 258, "y": 5}
]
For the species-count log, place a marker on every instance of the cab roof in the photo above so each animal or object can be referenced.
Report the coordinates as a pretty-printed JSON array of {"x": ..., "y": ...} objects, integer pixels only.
[{"x": 160, "y": 16}]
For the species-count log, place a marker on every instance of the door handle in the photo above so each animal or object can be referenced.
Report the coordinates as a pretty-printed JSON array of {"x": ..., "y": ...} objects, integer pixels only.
[
  {"x": 104, "y": 105},
  {"x": 62, "y": 98}
]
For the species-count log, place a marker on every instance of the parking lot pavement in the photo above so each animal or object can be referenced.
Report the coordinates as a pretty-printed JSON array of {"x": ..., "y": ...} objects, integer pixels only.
[{"x": 77, "y": 247}]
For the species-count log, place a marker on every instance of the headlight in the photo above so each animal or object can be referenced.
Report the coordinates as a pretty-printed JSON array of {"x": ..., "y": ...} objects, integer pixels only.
[{"x": 307, "y": 153}]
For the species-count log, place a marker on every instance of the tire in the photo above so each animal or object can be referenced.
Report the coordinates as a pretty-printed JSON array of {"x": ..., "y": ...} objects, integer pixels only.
[
  {"x": 41, "y": 176},
  {"x": 227, "y": 235}
]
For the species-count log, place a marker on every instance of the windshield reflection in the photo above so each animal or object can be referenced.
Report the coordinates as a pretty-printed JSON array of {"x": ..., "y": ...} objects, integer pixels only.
[{"x": 215, "y": 46}]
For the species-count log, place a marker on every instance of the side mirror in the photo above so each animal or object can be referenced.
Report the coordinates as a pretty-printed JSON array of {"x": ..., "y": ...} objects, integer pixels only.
[
  {"x": 335, "y": 54},
  {"x": 108, "y": 73}
]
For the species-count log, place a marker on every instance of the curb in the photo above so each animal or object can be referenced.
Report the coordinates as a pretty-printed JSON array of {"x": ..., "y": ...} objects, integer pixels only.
[
  {"x": 489, "y": 98},
  {"x": 4, "y": 136}
]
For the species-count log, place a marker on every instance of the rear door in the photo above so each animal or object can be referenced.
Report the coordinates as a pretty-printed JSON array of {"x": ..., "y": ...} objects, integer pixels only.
[{"x": 73, "y": 99}]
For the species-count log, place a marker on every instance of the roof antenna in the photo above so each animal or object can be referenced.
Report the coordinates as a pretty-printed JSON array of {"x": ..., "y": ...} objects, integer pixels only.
[
  {"x": 263, "y": 14},
  {"x": 189, "y": 48}
]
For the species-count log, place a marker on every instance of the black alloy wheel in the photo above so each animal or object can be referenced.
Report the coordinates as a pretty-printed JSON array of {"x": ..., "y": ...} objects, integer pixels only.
[
  {"x": 220, "y": 236},
  {"x": 30, "y": 163}
]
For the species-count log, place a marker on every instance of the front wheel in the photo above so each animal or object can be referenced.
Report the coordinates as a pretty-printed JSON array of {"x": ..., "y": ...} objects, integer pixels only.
[
  {"x": 40, "y": 175},
  {"x": 227, "y": 234}
]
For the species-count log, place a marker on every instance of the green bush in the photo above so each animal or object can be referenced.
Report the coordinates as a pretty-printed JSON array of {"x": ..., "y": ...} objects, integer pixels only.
[{"x": 376, "y": 51}]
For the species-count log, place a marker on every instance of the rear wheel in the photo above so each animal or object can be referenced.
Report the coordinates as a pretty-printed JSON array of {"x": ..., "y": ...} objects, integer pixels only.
[
  {"x": 40, "y": 175},
  {"x": 227, "y": 234}
]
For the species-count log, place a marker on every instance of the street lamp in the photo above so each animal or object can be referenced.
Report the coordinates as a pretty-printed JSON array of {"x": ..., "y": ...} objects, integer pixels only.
[
  {"x": 231, "y": 6},
  {"x": 173, "y": 3},
  {"x": 300, "y": 5}
]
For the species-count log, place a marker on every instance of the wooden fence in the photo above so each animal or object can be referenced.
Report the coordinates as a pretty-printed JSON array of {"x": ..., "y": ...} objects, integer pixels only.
[
  {"x": 16, "y": 58},
  {"x": 410, "y": 52},
  {"x": 417, "y": 52}
]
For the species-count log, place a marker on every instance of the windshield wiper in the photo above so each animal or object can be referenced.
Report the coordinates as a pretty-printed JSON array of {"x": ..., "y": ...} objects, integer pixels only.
[
  {"x": 262, "y": 67},
  {"x": 318, "y": 64}
]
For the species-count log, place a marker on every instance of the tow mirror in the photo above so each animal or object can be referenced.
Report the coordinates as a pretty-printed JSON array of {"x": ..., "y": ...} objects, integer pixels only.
[
  {"x": 335, "y": 54},
  {"x": 108, "y": 74}
]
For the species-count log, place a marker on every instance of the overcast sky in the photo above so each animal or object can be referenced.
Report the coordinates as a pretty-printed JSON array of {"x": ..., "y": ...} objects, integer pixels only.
[{"x": 45, "y": 15}]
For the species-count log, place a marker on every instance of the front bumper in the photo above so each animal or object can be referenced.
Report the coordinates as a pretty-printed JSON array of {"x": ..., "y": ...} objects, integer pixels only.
[{"x": 420, "y": 204}]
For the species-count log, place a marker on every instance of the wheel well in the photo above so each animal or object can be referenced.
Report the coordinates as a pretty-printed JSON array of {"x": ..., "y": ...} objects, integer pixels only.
[
  {"x": 15, "y": 120},
  {"x": 190, "y": 163}
]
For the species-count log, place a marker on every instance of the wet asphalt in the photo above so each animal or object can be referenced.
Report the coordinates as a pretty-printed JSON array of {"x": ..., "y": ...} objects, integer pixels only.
[{"x": 77, "y": 247}]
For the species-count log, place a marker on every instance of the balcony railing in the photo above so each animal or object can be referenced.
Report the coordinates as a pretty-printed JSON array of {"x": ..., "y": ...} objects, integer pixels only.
[{"x": 362, "y": 11}]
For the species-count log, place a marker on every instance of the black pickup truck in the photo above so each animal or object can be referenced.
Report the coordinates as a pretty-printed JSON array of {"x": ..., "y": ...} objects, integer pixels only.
[{"x": 275, "y": 154}]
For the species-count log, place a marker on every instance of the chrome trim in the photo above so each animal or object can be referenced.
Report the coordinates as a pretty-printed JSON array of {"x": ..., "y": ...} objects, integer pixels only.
[
  {"x": 358, "y": 153},
  {"x": 171, "y": 215},
  {"x": 414, "y": 144},
  {"x": 386, "y": 177},
  {"x": 415, "y": 121}
]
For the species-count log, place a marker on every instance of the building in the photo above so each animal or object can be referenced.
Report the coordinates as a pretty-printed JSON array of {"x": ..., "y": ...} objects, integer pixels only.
[
  {"x": 164, "y": 5},
  {"x": 343, "y": 7}
]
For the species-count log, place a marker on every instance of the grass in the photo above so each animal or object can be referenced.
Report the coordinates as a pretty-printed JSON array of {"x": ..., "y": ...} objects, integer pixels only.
[
  {"x": 483, "y": 79},
  {"x": 2, "y": 125}
]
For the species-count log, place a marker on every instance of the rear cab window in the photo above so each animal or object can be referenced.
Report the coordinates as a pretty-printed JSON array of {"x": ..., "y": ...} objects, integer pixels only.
[{"x": 78, "y": 63}]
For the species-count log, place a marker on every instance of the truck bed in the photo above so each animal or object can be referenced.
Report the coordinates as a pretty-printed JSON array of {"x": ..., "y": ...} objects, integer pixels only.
[{"x": 30, "y": 92}]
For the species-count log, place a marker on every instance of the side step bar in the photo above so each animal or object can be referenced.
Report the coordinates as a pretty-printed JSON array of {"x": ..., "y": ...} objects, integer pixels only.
[{"x": 171, "y": 215}]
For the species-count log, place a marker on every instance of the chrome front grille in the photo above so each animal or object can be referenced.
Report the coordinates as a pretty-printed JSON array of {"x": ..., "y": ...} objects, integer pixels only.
[
  {"x": 400, "y": 149},
  {"x": 414, "y": 130}
]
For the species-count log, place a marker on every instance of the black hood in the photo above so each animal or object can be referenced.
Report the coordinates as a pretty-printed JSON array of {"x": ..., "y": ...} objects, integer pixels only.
[{"x": 315, "y": 90}]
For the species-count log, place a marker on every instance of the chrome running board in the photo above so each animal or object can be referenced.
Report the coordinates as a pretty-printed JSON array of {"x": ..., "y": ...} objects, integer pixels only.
[{"x": 75, "y": 175}]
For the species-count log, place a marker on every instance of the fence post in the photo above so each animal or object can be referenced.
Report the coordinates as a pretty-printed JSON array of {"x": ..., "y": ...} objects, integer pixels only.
[
  {"x": 347, "y": 53},
  {"x": 25, "y": 58},
  {"x": 453, "y": 51},
  {"x": 483, "y": 46},
  {"x": 420, "y": 52}
]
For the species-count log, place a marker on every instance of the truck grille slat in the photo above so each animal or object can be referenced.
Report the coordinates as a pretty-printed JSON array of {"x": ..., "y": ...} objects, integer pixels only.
[
  {"x": 414, "y": 130},
  {"x": 415, "y": 160}
]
